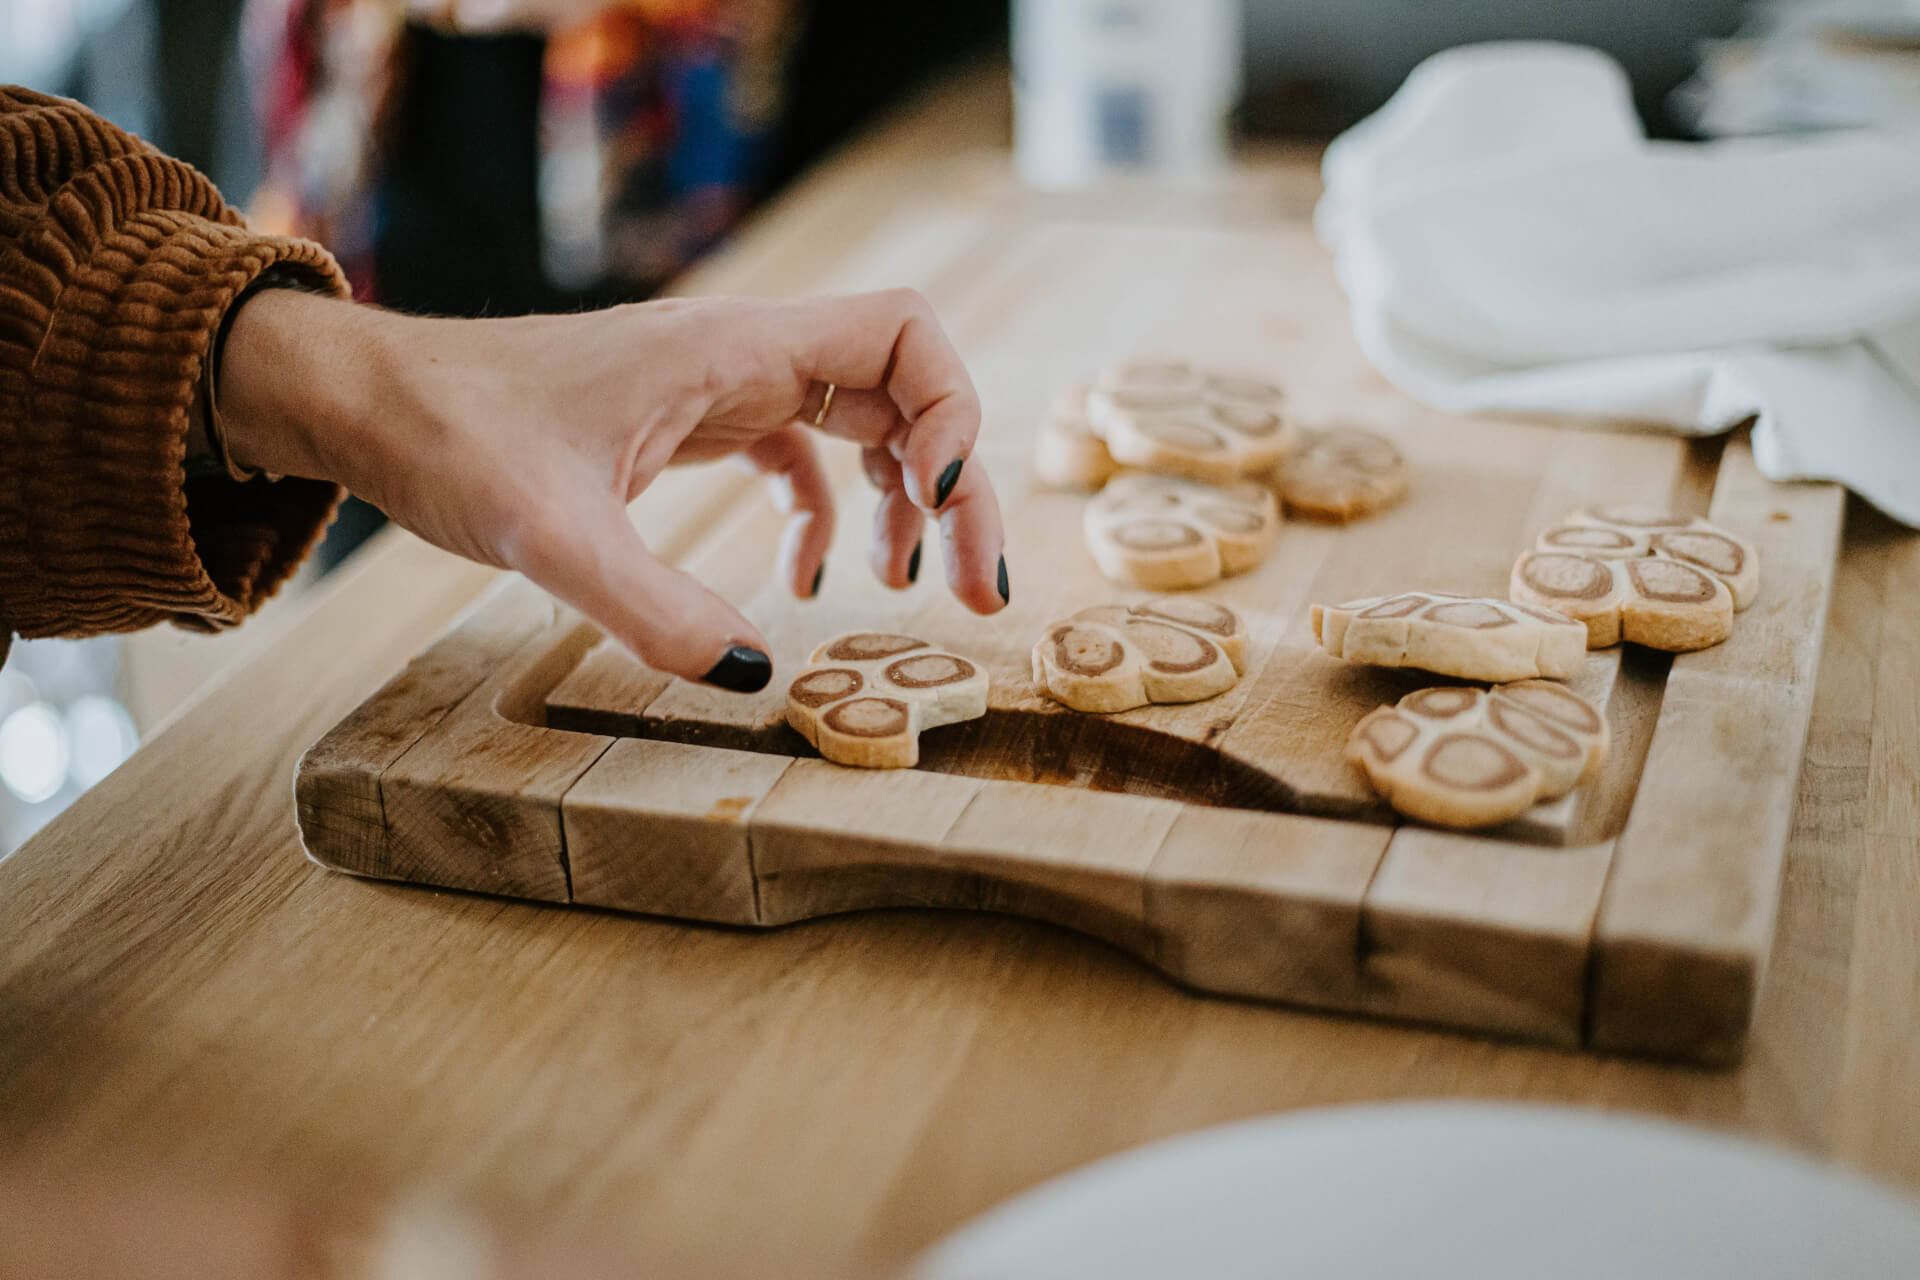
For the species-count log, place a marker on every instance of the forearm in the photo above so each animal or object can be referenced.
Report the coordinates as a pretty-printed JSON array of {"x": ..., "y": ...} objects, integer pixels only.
[
  {"x": 377, "y": 402},
  {"x": 116, "y": 267},
  {"x": 303, "y": 382}
]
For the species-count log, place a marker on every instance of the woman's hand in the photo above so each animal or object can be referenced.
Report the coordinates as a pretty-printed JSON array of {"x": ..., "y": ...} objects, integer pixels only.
[{"x": 520, "y": 442}]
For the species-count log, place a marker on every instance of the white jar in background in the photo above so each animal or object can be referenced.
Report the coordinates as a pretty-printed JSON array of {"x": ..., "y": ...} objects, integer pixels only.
[{"x": 1110, "y": 87}]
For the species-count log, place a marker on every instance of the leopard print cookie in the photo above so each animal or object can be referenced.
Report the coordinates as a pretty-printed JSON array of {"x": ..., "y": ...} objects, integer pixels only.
[
  {"x": 1688, "y": 539},
  {"x": 1461, "y": 757},
  {"x": 1474, "y": 638},
  {"x": 1171, "y": 417},
  {"x": 1116, "y": 657},
  {"x": 1341, "y": 474},
  {"x": 866, "y": 697},
  {"x": 1167, "y": 534},
  {"x": 1656, "y": 601}
]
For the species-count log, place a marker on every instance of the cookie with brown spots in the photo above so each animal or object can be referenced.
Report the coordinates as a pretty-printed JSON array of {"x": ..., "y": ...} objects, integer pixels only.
[
  {"x": 866, "y": 697},
  {"x": 1463, "y": 757},
  {"x": 1657, "y": 601},
  {"x": 1341, "y": 474},
  {"x": 1116, "y": 657},
  {"x": 1627, "y": 532},
  {"x": 1166, "y": 534},
  {"x": 1175, "y": 418},
  {"x": 1474, "y": 638}
]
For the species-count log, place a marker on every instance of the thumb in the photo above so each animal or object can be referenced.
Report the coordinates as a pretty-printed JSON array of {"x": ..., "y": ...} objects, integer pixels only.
[{"x": 665, "y": 617}]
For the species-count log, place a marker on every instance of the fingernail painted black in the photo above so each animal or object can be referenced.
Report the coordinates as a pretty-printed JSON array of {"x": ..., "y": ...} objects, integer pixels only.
[
  {"x": 743, "y": 669},
  {"x": 913, "y": 563},
  {"x": 943, "y": 487},
  {"x": 818, "y": 574},
  {"x": 1006, "y": 595}
]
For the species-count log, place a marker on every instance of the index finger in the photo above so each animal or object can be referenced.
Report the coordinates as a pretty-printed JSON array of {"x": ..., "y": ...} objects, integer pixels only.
[{"x": 892, "y": 342}]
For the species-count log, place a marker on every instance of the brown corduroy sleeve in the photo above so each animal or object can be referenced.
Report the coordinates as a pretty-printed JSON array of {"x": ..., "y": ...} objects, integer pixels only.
[{"x": 116, "y": 266}]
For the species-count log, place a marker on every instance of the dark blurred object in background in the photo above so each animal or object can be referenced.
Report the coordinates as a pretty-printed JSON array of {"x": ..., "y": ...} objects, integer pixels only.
[
  {"x": 460, "y": 229},
  {"x": 856, "y": 58},
  {"x": 1316, "y": 67}
]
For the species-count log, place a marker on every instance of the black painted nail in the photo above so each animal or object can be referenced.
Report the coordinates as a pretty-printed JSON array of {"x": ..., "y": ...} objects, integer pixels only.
[
  {"x": 913, "y": 563},
  {"x": 1006, "y": 596},
  {"x": 943, "y": 487},
  {"x": 818, "y": 574},
  {"x": 743, "y": 669}
]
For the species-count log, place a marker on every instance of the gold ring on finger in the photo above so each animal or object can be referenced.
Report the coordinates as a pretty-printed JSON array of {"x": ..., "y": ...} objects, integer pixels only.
[{"x": 826, "y": 403}]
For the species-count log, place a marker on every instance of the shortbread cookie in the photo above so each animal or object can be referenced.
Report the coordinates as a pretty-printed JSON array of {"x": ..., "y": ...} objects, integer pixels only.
[
  {"x": 1632, "y": 517},
  {"x": 1165, "y": 534},
  {"x": 1341, "y": 474},
  {"x": 1170, "y": 417},
  {"x": 865, "y": 698},
  {"x": 1728, "y": 558},
  {"x": 1471, "y": 757},
  {"x": 1656, "y": 601},
  {"x": 1066, "y": 453},
  {"x": 1116, "y": 657},
  {"x": 1593, "y": 540},
  {"x": 1688, "y": 539},
  {"x": 1474, "y": 638}
]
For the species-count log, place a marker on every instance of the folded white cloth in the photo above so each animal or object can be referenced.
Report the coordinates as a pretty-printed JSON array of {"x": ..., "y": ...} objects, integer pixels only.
[{"x": 1510, "y": 240}]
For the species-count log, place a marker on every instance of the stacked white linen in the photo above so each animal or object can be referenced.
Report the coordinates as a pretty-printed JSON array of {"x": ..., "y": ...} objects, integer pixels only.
[{"x": 1510, "y": 240}]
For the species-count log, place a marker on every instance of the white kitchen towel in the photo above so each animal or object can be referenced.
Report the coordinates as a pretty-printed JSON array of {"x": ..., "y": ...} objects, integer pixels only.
[{"x": 1510, "y": 240}]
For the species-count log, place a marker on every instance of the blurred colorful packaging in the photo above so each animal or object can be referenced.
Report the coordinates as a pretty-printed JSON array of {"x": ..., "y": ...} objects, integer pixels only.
[
  {"x": 655, "y": 126},
  {"x": 656, "y": 117}
]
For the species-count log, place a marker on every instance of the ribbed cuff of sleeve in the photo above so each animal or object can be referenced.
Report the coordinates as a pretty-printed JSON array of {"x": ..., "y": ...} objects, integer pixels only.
[{"x": 115, "y": 535}]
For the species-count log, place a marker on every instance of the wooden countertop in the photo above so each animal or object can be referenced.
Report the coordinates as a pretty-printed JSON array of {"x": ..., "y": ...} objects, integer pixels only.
[{"x": 178, "y": 983}]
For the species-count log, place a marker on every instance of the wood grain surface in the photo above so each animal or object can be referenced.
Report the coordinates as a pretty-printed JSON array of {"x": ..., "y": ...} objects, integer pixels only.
[
  {"x": 1489, "y": 932},
  {"x": 177, "y": 983}
]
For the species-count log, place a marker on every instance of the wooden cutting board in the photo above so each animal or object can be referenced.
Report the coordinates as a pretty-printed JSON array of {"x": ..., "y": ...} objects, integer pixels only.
[{"x": 1224, "y": 842}]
